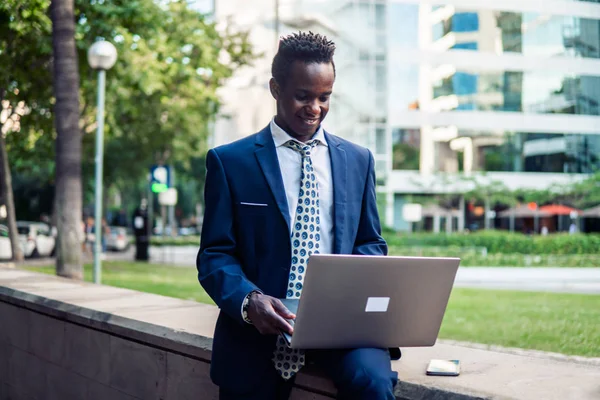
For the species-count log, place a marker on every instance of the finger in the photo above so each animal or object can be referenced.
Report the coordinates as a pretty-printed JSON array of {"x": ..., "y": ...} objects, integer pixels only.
[
  {"x": 281, "y": 324},
  {"x": 265, "y": 321},
  {"x": 282, "y": 310}
]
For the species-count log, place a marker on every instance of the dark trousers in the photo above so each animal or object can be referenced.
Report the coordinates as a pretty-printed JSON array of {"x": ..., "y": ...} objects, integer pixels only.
[{"x": 360, "y": 374}]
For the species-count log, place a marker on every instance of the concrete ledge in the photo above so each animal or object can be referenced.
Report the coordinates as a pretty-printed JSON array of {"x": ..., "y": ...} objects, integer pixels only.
[{"x": 113, "y": 342}]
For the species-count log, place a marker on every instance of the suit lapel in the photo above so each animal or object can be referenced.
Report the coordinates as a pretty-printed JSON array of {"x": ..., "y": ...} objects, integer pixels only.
[
  {"x": 339, "y": 174},
  {"x": 266, "y": 155}
]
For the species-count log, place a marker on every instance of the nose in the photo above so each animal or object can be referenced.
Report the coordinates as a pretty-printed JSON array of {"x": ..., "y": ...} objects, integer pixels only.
[{"x": 313, "y": 108}]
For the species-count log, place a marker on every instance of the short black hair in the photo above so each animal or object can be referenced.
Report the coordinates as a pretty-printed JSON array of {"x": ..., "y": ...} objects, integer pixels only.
[{"x": 306, "y": 47}]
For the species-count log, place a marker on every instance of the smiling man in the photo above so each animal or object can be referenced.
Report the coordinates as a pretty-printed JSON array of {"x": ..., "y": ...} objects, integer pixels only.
[{"x": 271, "y": 201}]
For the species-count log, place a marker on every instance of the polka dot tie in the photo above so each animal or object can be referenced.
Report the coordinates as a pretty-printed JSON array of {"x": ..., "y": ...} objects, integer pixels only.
[{"x": 305, "y": 241}]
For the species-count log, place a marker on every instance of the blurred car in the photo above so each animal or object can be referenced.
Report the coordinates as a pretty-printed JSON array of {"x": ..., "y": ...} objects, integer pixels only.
[
  {"x": 159, "y": 231},
  {"x": 5, "y": 249},
  {"x": 117, "y": 239},
  {"x": 188, "y": 231},
  {"x": 37, "y": 239}
]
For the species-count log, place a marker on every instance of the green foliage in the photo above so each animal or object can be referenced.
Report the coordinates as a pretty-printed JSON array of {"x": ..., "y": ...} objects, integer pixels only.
[
  {"x": 585, "y": 194},
  {"x": 26, "y": 79},
  {"x": 176, "y": 241},
  {"x": 474, "y": 257},
  {"x": 405, "y": 156},
  {"x": 505, "y": 242},
  {"x": 580, "y": 194},
  {"x": 456, "y": 244},
  {"x": 161, "y": 94},
  {"x": 160, "y": 97},
  {"x": 493, "y": 191}
]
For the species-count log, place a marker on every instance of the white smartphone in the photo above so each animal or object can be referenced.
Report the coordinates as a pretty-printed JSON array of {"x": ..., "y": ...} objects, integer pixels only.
[{"x": 443, "y": 368}]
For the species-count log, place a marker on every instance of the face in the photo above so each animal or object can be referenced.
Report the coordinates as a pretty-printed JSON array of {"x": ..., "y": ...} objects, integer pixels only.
[{"x": 303, "y": 102}]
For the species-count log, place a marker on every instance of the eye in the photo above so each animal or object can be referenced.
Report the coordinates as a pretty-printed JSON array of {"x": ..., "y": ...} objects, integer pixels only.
[
  {"x": 301, "y": 97},
  {"x": 324, "y": 99}
]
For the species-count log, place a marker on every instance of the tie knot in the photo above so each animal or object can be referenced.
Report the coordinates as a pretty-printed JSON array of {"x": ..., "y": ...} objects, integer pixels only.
[{"x": 302, "y": 148}]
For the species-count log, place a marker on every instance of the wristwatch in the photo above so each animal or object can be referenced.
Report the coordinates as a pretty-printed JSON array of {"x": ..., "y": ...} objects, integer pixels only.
[{"x": 245, "y": 305}]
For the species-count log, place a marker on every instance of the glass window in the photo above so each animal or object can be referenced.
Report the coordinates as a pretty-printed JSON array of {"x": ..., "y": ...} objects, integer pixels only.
[
  {"x": 533, "y": 152},
  {"x": 466, "y": 107},
  {"x": 380, "y": 142},
  {"x": 404, "y": 25},
  {"x": 380, "y": 16},
  {"x": 464, "y": 83},
  {"x": 459, "y": 22},
  {"x": 43, "y": 230},
  {"x": 545, "y": 92},
  {"x": 403, "y": 86},
  {"x": 380, "y": 77},
  {"x": 466, "y": 46},
  {"x": 465, "y": 22},
  {"x": 527, "y": 33},
  {"x": 441, "y": 29}
]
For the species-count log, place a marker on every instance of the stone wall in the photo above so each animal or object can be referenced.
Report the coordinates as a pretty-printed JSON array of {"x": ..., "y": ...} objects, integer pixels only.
[
  {"x": 47, "y": 358},
  {"x": 54, "y": 350}
]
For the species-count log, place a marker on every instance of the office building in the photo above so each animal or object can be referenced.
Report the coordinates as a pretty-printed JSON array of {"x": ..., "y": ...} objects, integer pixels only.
[
  {"x": 496, "y": 89},
  {"x": 505, "y": 91}
]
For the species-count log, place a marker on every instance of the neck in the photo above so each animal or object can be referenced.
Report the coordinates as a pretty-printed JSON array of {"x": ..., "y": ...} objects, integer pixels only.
[{"x": 280, "y": 123}]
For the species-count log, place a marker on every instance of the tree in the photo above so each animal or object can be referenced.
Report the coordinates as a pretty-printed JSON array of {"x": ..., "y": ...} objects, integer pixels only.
[
  {"x": 583, "y": 194},
  {"x": 24, "y": 91},
  {"x": 67, "y": 202},
  {"x": 159, "y": 112},
  {"x": 161, "y": 95},
  {"x": 7, "y": 195},
  {"x": 405, "y": 156},
  {"x": 490, "y": 192}
]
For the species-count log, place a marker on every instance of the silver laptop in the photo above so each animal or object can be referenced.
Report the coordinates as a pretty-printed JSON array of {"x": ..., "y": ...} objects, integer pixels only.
[{"x": 353, "y": 301}]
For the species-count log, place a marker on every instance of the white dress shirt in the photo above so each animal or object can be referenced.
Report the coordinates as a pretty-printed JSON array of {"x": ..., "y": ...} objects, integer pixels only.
[{"x": 290, "y": 164}]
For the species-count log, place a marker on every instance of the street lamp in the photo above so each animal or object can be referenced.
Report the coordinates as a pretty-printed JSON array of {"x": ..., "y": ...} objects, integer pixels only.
[{"x": 101, "y": 56}]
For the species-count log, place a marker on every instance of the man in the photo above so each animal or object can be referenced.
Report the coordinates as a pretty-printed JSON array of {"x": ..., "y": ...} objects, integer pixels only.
[{"x": 273, "y": 199}]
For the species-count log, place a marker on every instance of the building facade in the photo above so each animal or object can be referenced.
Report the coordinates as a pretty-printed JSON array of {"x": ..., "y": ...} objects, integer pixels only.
[
  {"x": 360, "y": 100},
  {"x": 505, "y": 88},
  {"x": 498, "y": 89}
]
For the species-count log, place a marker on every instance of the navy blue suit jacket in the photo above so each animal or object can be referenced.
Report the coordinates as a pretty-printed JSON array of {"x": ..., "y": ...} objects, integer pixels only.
[{"x": 244, "y": 248}]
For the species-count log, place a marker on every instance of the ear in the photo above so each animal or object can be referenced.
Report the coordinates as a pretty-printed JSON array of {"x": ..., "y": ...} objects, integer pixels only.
[{"x": 275, "y": 88}]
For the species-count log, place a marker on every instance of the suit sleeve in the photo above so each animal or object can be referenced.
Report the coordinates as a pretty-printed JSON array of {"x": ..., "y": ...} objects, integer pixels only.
[
  {"x": 368, "y": 237},
  {"x": 219, "y": 270}
]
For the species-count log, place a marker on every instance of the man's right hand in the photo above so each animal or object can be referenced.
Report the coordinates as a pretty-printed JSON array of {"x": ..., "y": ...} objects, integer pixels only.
[{"x": 269, "y": 315}]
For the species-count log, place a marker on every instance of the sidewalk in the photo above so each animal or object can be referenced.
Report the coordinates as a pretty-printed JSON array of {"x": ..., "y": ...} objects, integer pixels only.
[
  {"x": 565, "y": 280},
  {"x": 485, "y": 373}
]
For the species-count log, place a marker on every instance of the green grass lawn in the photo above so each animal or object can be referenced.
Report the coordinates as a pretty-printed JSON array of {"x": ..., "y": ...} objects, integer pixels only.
[
  {"x": 562, "y": 323},
  {"x": 170, "y": 281},
  {"x": 557, "y": 322}
]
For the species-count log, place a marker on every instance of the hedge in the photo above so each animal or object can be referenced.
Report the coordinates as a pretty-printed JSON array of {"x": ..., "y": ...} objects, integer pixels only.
[
  {"x": 504, "y": 242},
  {"x": 469, "y": 257},
  {"x": 496, "y": 242},
  {"x": 176, "y": 241}
]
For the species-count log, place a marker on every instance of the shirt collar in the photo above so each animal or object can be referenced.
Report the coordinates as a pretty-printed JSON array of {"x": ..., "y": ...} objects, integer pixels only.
[{"x": 281, "y": 137}]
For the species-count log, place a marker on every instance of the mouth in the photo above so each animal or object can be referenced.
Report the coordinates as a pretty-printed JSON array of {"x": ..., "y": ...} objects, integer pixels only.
[{"x": 310, "y": 121}]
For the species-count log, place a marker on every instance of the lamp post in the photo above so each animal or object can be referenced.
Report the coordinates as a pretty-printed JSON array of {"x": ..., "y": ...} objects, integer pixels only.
[{"x": 101, "y": 56}]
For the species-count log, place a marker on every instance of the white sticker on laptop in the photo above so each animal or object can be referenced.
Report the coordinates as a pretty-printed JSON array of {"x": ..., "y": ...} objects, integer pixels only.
[{"x": 377, "y": 304}]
